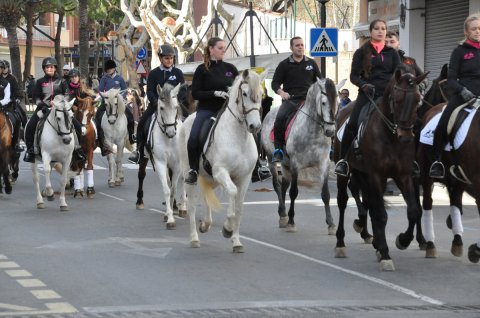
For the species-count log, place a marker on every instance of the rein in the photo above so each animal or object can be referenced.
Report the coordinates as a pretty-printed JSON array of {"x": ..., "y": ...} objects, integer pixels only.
[
  {"x": 244, "y": 111},
  {"x": 320, "y": 123},
  {"x": 163, "y": 127},
  {"x": 67, "y": 123}
]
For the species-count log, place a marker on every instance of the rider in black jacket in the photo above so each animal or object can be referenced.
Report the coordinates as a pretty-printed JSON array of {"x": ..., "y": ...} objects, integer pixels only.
[
  {"x": 165, "y": 73},
  {"x": 46, "y": 88}
]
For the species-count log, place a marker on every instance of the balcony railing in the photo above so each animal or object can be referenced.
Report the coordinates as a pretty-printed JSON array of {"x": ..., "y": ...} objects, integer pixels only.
[{"x": 37, "y": 36}]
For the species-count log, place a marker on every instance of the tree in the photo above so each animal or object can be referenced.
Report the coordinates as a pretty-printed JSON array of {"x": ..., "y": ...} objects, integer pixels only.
[{"x": 83, "y": 40}]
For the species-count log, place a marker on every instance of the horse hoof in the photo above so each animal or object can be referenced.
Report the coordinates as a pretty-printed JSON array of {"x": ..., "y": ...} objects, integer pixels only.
[
  {"x": 118, "y": 183},
  {"x": 340, "y": 252},
  {"x": 473, "y": 253},
  {"x": 165, "y": 218},
  {"x": 402, "y": 242},
  {"x": 140, "y": 206},
  {"x": 291, "y": 228},
  {"x": 122, "y": 179},
  {"x": 8, "y": 190},
  {"x": 422, "y": 245},
  {"x": 195, "y": 244},
  {"x": 111, "y": 184},
  {"x": 357, "y": 227},
  {"x": 182, "y": 213},
  {"x": 90, "y": 192},
  {"x": 332, "y": 229},
  {"x": 64, "y": 208},
  {"x": 238, "y": 249},
  {"x": 368, "y": 239},
  {"x": 78, "y": 193},
  {"x": 378, "y": 255},
  {"x": 457, "y": 246},
  {"x": 171, "y": 225},
  {"x": 430, "y": 250},
  {"x": 386, "y": 265},
  {"x": 41, "y": 205},
  {"x": 204, "y": 228},
  {"x": 282, "y": 223},
  {"x": 226, "y": 233}
]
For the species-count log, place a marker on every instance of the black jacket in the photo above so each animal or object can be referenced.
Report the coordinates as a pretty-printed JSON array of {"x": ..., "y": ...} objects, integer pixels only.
[
  {"x": 296, "y": 77},
  {"x": 464, "y": 69},
  {"x": 410, "y": 61},
  {"x": 15, "y": 92},
  {"x": 174, "y": 76},
  {"x": 219, "y": 77},
  {"x": 383, "y": 67},
  {"x": 46, "y": 88}
]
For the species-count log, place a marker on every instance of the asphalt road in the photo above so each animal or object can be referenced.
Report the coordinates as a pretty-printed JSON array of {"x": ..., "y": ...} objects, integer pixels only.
[{"x": 104, "y": 258}]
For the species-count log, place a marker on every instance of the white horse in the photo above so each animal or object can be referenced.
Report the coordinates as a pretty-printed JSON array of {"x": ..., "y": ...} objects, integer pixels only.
[
  {"x": 165, "y": 152},
  {"x": 232, "y": 154},
  {"x": 56, "y": 145},
  {"x": 114, "y": 125},
  {"x": 307, "y": 148}
]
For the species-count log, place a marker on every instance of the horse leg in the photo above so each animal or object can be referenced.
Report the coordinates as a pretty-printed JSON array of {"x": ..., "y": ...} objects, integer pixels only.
[
  {"x": 6, "y": 178},
  {"x": 141, "y": 176},
  {"x": 456, "y": 193},
  {"x": 63, "y": 182},
  {"x": 360, "y": 225},
  {"x": 241, "y": 191},
  {"x": 293, "y": 195},
  {"x": 422, "y": 243},
  {"x": 111, "y": 170},
  {"x": 427, "y": 218},
  {"x": 180, "y": 186},
  {"x": 162, "y": 173},
  {"x": 281, "y": 200},
  {"x": 119, "y": 177},
  {"x": 407, "y": 188},
  {"x": 223, "y": 178},
  {"x": 342, "y": 198},
  {"x": 36, "y": 182},
  {"x": 77, "y": 185},
  {"x": 332, "y": 228},
  {"x": 90, "y": 184},
  {"x": 48, "y": 184},
  {"x": 192, "y": 195}
]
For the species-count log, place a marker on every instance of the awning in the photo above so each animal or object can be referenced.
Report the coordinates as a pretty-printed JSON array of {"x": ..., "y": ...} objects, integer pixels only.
[
  {"x": 267, "y": 61},
  {"x": 361, "y": 30}
]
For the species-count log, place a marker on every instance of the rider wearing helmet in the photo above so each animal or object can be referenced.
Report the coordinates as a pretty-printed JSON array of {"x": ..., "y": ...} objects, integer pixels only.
[
  {"x": 14, "y": 104},
  {"x": 165, "y": 73},
  {"x": 66, "y": 73},
  {"x": 46, "y": 88},
  {"x": 111, "y": 79}
]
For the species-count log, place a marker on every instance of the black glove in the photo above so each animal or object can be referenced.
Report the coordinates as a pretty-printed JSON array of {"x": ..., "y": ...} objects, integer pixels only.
[
  {"x": 466, "y": 94},
  {"x": 368, "y": 89}
]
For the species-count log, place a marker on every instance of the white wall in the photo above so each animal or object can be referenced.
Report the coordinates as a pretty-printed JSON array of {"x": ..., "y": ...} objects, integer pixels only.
[{"x": 412, "y": 37}]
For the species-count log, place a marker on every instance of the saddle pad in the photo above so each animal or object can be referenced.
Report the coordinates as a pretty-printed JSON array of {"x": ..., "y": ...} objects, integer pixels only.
[
  {"x": 342, "y": 129},
  {"x": 426, "y": 135},
  {"x": 152, "y": 119},
  {"x": 289, "y": 126}
]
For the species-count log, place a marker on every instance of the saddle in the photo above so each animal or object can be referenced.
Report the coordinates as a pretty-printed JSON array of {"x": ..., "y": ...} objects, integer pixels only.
[
  {"x": 290, "y": 120},
  {"x": 458, "y": 116},
  {"x": 38, "y": 134}
]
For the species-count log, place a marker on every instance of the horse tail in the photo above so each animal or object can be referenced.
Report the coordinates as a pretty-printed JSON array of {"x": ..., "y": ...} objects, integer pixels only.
[{"x": 209, "y": 194}]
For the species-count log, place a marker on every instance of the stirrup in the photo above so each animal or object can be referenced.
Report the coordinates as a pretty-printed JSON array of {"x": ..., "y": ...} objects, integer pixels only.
[
  {"x": 278, "y": 155},
  {"x": 340, "y": 168},
  {"x": 416, "y": 170},
  {"x": 458, "y": 173},
  {"x": 437, "y": 170}
]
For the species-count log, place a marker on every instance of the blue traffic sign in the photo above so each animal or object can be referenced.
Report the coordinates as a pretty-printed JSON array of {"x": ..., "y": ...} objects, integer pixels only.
[
  {"x": 324, "y": 42},
  {"x": 142, "y": 54}
]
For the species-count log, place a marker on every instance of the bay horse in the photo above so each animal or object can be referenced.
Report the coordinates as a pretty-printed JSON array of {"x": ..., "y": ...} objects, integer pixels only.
[
  {"x": 56, "y": 146},
  {"x": 6, "y": 151},
  {"x": 231, "y": 153},
  {"x": 114, "y": 125},
  {"x": 463, "y": 156},
  {"x": 164, "y": 153},
  {"x": 84, "y": 113},
  {"x": 307, "y": 147},
  {"x": 387, "y": 150}
]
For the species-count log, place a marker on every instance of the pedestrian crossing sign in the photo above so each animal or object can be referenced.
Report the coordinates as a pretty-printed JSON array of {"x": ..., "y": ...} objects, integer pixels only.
[{"x": 324, "y": 42}]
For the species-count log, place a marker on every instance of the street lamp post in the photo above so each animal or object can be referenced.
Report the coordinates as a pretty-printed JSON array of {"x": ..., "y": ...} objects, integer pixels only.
[
  {"x": 112, "y": 36},
  {"x": 323, "y": 23}
]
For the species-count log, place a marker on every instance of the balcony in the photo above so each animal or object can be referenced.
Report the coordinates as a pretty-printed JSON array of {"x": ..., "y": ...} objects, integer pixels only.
[{"x": 37, "y": 36}]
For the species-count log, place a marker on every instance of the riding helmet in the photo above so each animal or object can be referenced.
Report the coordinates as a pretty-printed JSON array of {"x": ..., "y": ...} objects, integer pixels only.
[
  {"x": 7, "y": 63},
  {"x": 110, "y": 64},
  {"x": 74, "y": 72},
  {"x": 166, "y": 50},
  {"x": 49, "y": 61},
  {"x": 2, "y": 64}
]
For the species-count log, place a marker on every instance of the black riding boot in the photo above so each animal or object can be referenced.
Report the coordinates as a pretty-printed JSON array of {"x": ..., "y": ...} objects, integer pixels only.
[
  {"x": 29, "y": 138},
  {"x": 342, "y": 168},
  {"x": 278, "y": 154},
  {"x": 130, "y": 126},
  {"x": 437, "y": 169},
  {"x": 194, "y": 161}
]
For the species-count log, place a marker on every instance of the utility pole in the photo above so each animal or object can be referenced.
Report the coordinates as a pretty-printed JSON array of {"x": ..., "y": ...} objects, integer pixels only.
[{"x": 323, "y": 24}]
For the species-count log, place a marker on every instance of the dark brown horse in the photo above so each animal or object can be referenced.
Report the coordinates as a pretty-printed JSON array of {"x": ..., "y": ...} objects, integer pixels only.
[
  {"x": 6, "y": 151},
  {"x": 386, "y": 150},
  {"x": 84, "y": 112},
  {"x": 465, "y": 157}
]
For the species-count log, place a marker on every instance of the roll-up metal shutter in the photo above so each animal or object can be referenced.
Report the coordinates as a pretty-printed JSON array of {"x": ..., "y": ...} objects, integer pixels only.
[{"x": 443, "y": 31}]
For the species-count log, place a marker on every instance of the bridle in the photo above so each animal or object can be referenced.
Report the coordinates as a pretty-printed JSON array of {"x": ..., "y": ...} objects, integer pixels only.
[
  {"x": 68, "y": 122},
  {"x": 109, "y": 112},
  {"x": 163, "y": 126},
  {"x": 245, "y": 112}
]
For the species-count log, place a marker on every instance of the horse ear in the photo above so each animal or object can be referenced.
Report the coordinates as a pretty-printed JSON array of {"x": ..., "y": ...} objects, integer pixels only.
[
  {"x": 264, "y": 74},
  {"x": 159, "y": 89},
  {"x": 176, "y": 89},
  {"x": 341, "y": 84},
  {"x": 398, "y": 74},
  {"x": 420, "y": 78},
  {"x": 444, "y": 71},
  {"x": 72, "y": 101}
]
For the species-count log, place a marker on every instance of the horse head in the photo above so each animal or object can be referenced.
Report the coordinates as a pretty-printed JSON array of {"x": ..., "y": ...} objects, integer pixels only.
[
  {"x": 323, "y": 94},
  {"x": 246, "y": 98},
  {"x": 167, "y": 109},
  {"x": 85, "y": 110},
  {"x": 61, "y": 116},
  {"x": 436, "y": 94},
  {"x": 402, "y": 97},
  {"x": 114, "y": 104}
]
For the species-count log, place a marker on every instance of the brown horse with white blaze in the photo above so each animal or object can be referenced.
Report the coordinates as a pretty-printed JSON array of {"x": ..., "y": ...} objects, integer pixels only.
[{"x": 5, "y": 151}]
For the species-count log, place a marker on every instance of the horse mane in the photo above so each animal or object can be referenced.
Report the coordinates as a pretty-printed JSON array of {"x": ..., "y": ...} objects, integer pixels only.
[
  {"x": 403, "y": 69},
  {"x": 253, "y": 80},
  {"x": 110, "y": 96},
  {"x": 316, "y": 88}
]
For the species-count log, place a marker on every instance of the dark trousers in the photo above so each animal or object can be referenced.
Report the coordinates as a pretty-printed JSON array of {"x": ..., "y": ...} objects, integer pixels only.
[
  {"x": 288, "y": 108},
  {"x": 352, "y": 127},
  {"x": 440, "y": 136},
  {"x": 141, "y": 125},
  {"x": 98, "y": 121},
  {"x": 193, "y": 145}
]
